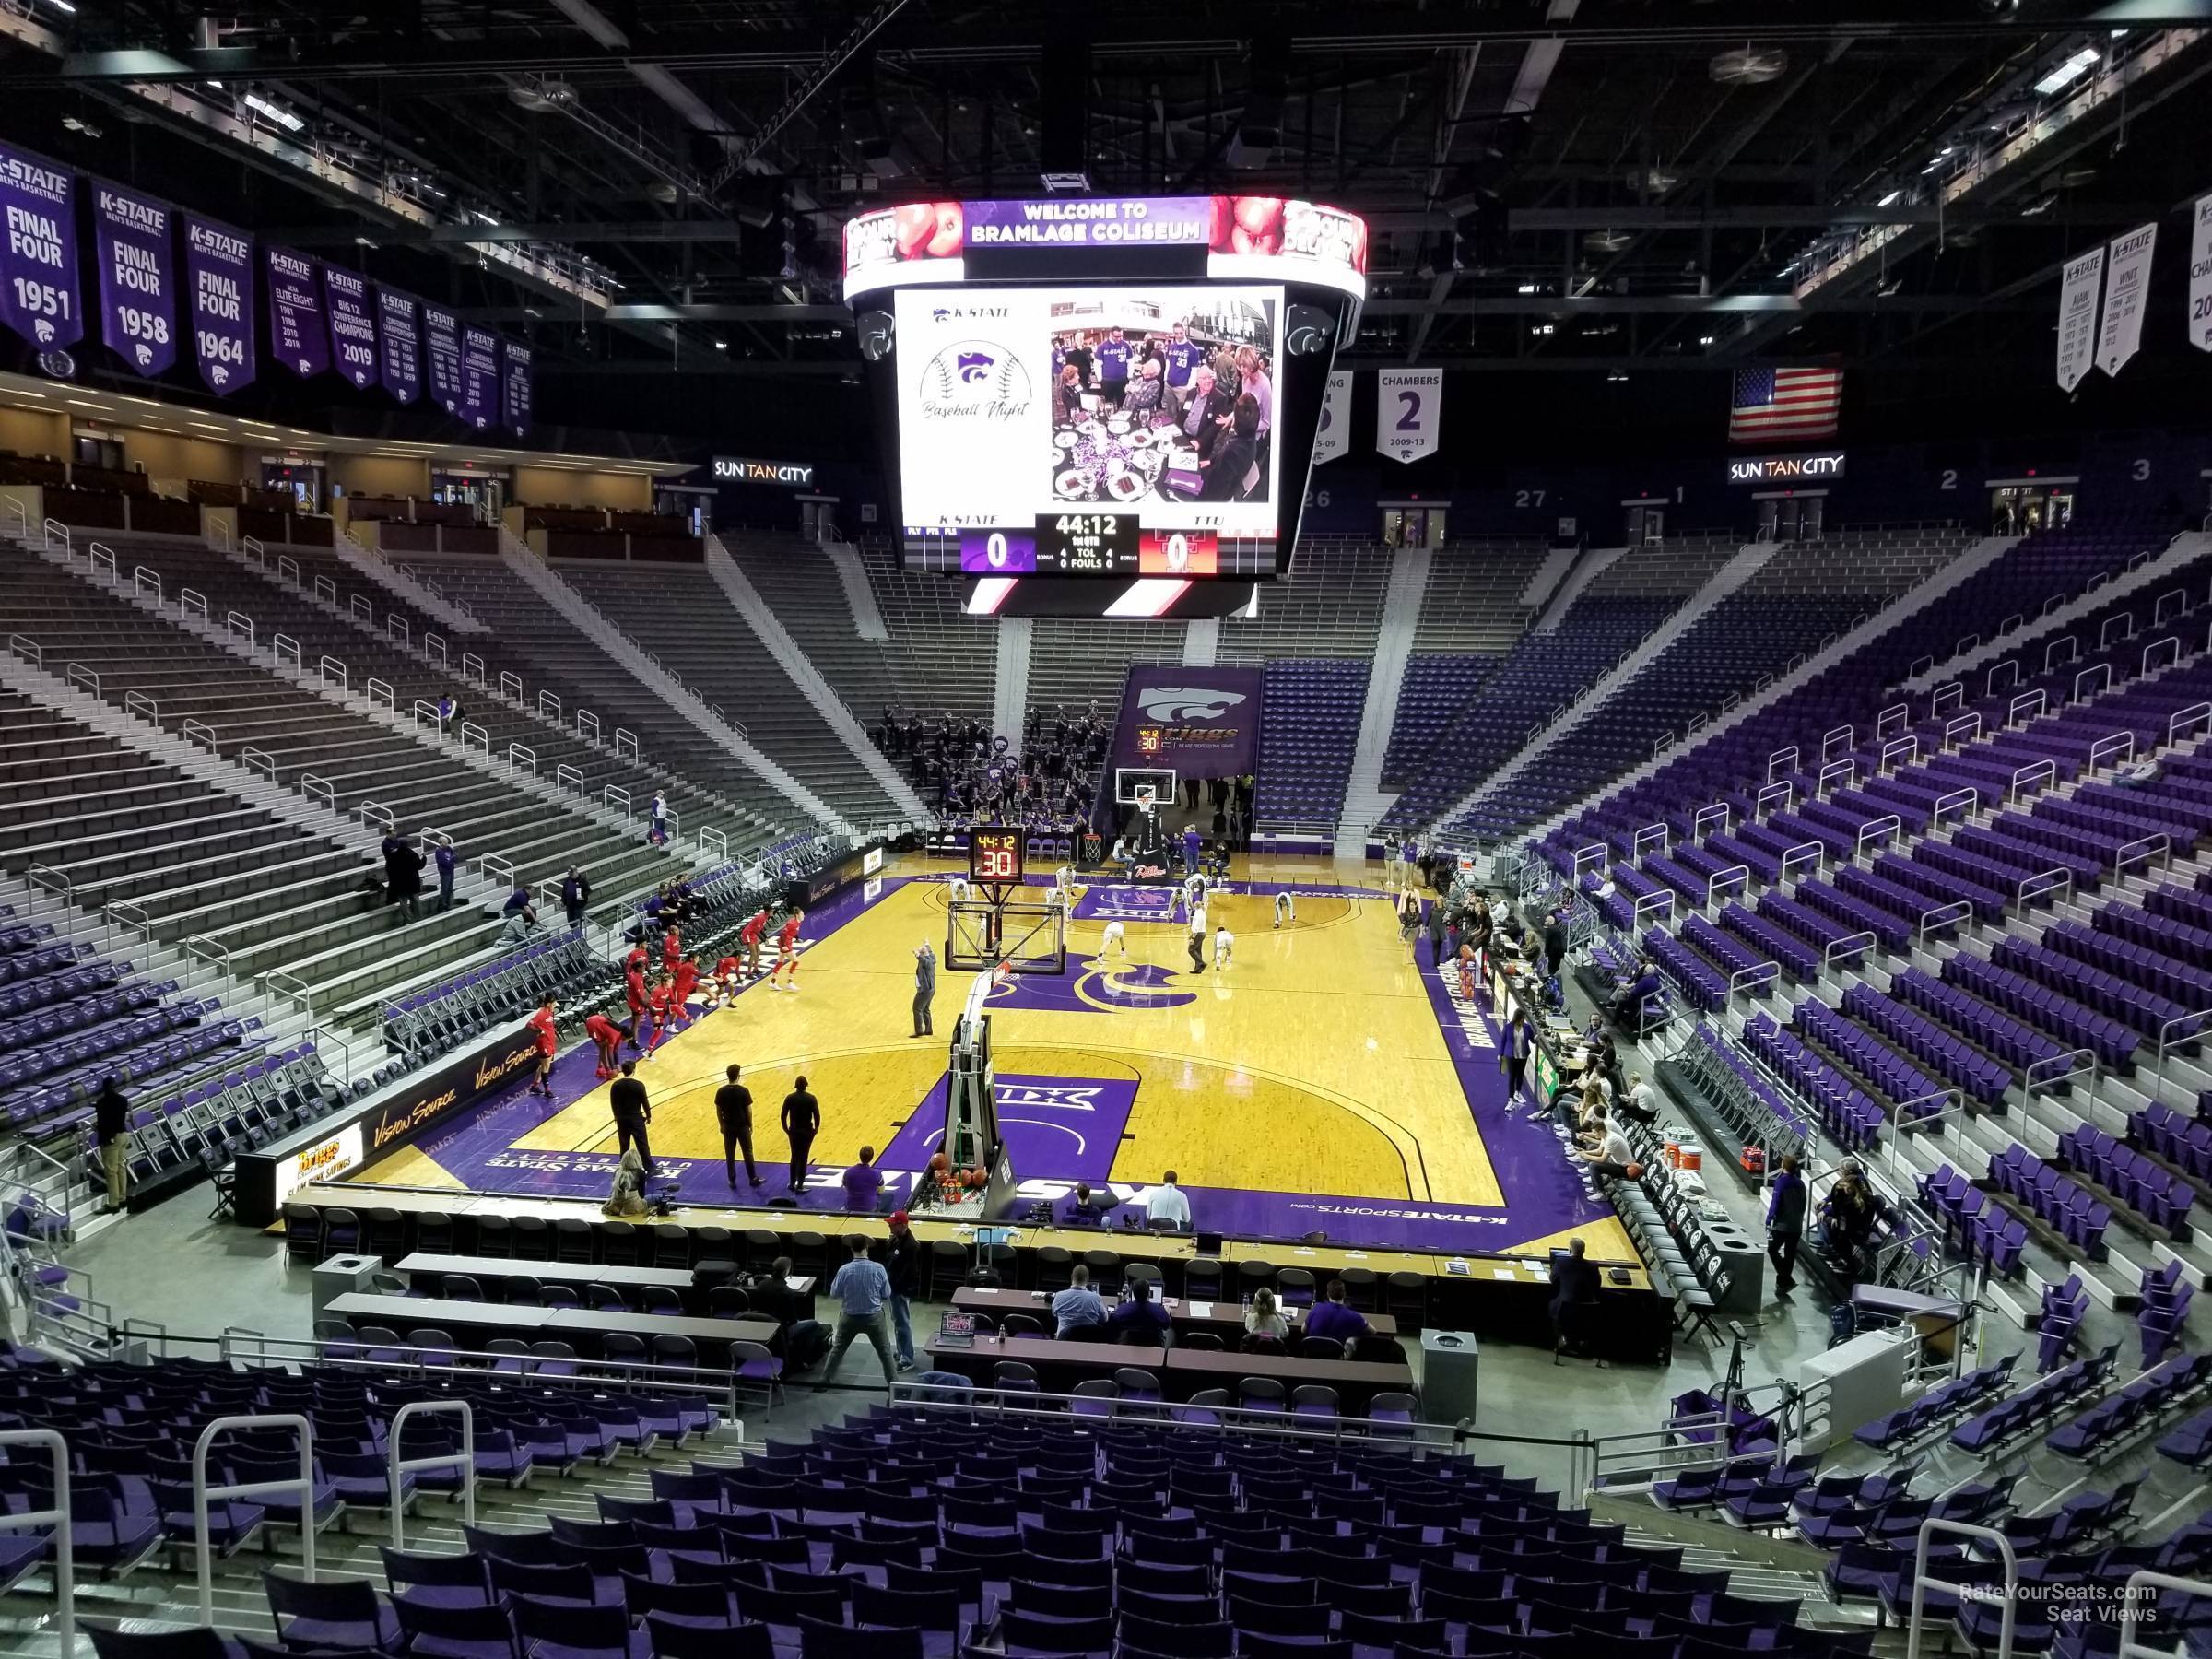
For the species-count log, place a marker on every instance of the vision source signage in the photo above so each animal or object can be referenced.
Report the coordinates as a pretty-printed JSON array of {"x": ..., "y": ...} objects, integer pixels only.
[
  {"x": 737, "y": 469},
  {"x": 1788, "y": 469}
]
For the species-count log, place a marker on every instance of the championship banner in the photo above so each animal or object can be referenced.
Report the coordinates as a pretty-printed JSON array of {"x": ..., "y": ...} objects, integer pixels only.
[
  {"x": 1333, "y": 438},
  {"x": 37, "y": 262},
  {"x": 296, "y": 335},
  {"x": 479, "y": 378},
  {"x": 352, "y": 329},
  {"x": 2078, "y": 317},
  {"x": 2126, "y": 281},
  {"x": 442, "y": 351},
  {"x": 1204, "y": 722},
  {"x": 514, "y": 388},
  {"x": 218, "y": 275},
  {"x": 399, "y": 343},
  {"x": 1410, "y": 405},
  {"x": 137, "y": 278},
  {"x": 2200, "y": 277}
]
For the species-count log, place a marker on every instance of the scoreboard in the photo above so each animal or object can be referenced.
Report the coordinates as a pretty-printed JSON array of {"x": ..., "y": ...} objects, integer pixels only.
[
  {"x": 1088, "y": 544},
  {"x": 995, "y": 856}
]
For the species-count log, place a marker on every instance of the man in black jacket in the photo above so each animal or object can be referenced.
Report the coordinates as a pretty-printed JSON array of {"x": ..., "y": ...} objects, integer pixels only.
[
  {"x": 632, "y": 1111},
  {"x": 802, "y": 1121},
  {"x": 575, "y": 893},
  {"x": 904, "y": 1264},
  {"x": 1574, "y": 1295},
  {"x": 734, "y": 1111}
]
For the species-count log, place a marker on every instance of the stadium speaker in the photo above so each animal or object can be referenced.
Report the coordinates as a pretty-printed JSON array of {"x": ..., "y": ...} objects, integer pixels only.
[
  {"x": 878, "y": 333},
  {"x": 1063, "y": 107},
  {"x": 1308, "y": 329}
]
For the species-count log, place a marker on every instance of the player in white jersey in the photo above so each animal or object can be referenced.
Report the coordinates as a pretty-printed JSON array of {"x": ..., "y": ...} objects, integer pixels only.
[
  {"x": 1114, "y": 940},
  {"x": 1285, "y": 909},
  {"x": 1224, "y": 942}
]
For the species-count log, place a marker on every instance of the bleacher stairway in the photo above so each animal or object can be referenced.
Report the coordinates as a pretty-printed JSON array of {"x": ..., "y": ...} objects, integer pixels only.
[{"x": 1365, "y": 800}]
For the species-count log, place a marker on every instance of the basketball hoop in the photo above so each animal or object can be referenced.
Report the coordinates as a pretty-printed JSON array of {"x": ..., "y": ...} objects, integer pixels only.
[{"x": 1002, "y": 973}]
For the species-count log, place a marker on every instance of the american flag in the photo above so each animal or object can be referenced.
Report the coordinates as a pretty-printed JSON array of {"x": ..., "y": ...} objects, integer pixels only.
[{"x": 1772, "y": 405}]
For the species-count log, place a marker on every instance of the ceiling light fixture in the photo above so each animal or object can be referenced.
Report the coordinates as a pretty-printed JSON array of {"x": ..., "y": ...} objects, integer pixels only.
[
  {"x": 2067, "y": 72},
  {"x": 282, "y": 117},
  {"x": 1887, "y": 200}
]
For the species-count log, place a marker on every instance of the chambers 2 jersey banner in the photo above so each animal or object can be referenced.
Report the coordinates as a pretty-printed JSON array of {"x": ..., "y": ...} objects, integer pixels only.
[
  {"x": 1204, "y": 722},
  {"x": 137, "y": 278},
  {"x": 218, "y": 277},
  {"x": 1409, "y": 406},
  {"x": 39, "y": 295},
  {"x": 352, "y": 331},
  {"x": 296, "y": 335}
]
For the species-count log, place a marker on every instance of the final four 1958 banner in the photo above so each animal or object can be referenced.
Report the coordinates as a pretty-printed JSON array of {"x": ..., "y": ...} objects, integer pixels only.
[{"x": 137, "y": 278}]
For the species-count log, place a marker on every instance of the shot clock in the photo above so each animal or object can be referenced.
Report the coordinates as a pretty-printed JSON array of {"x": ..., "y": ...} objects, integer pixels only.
[{"x": 994, "y": 857}]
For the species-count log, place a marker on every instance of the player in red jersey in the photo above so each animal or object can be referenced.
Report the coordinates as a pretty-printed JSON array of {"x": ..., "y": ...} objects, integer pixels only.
[
  {"x": 548, "y": 1041},
  {"x": 749, "y": 936},
  {"x": 672, "y": 951},
  {"x": 633, "y": 991},
  {"x": 662, "y": 1002},
  {"x": 686, "y": 981},
  {"x": 608, "y": 1037},
  {"x": 787, "y": 953}
]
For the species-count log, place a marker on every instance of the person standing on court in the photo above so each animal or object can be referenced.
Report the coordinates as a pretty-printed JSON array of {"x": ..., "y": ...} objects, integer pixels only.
[
  {"x": 1514, "y": 1045},
  {"x": 1555, "y": 946},
  {"x": 547, "y": 1037},
  {"x": 111, "y": 1126},
  {"x": 734, "y": 1111},
  {"x": 863, "y": 1290},
  {"x": 632, "y": 1111},
  {"x": 925, "y": 989},
  {"x": 1196, "y": 942},
  {"x": 802, "y": 1122},
  {"x": 905, "y": 1270},
  {"x": 1190, "y": 840}
]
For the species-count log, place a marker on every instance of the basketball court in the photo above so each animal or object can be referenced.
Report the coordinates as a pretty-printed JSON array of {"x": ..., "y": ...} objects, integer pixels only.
[{"x": 1320, "y": 1082}]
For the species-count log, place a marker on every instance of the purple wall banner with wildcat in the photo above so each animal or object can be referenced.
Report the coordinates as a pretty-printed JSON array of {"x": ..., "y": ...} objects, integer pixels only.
[
  {"x": 138, "y": 276},
  {"x": 296, "y": 333},
  {"x": 218, "y": 275},
  {"x": 38, "y": 295},
  {"x": 1203, "y": 723}
]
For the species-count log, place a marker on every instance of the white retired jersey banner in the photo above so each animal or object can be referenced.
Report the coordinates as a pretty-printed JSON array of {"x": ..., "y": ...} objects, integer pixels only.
[
  {"x": 2126, "y": 281},
  {"x": 1409, "y": 407},
  {"x": 2078, "y": 317},
  {"x": 1334, "y": 436},
  {"x": 2200, "y": 278}
]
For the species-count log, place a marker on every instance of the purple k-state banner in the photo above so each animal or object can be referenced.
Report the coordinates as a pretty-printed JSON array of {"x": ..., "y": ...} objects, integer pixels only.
[
  {"x": 514, "y": 388},
  {"x": 1203, "y": 723},
  {"x": 137, "y": 278},
  {"x": 399, "y": 343},
  {"x": 352, "y": 329},
  {"x": 218, "y": 277},
  {"x": 441, "y": 348},
  {"x": 296, "y": 335},
  {"x": 39, "y": 295},
  {"x": 479, "y": 378}
]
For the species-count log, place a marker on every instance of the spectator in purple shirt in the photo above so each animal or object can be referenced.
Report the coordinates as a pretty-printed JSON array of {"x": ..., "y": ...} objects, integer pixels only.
[
  {"x": 1334, "y": 1318},
  {"x": 864, "y": 1183}
]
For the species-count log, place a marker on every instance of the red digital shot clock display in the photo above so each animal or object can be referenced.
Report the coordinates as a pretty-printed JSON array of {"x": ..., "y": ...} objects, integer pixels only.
[{"x": 994, "y": 857}]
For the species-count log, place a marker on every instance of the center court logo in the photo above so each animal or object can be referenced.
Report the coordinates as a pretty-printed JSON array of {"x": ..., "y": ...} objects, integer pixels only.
[
  {"x": 975, "y": 380},
  {"x": 1187, "y": 703}
]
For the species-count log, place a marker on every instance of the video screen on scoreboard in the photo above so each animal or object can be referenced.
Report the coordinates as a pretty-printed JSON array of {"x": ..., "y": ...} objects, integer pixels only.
[{"x": 1095, "y": 431}]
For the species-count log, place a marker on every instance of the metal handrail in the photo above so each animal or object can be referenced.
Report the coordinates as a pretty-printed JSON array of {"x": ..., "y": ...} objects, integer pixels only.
[
  {"x": 2131, "y": 1601},
  {"x": 1923, "y": 1583},
  {"x": 1943, "y": 915},
  {"x": 325, "y": 667},
  {"x": 464, "y": 1460},
  {"x": 277, "y": 648},
  {"x": 65, "y": 1564},
  {"x": 202, "y": 1493}
]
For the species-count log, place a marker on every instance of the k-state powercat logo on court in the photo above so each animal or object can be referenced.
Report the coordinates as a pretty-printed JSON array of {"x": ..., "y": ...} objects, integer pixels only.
[
  {"x": 975, "y": 380},
  {"x": 1187, "y": 703}
]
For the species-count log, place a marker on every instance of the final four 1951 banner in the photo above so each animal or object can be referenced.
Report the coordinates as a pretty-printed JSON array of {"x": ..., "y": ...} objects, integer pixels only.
[
  {"x": 39, "y": 295},
  {"x": 1204, "y": 722}
]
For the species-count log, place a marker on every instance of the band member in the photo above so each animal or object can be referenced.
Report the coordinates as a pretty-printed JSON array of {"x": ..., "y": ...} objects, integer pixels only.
[{"x": 787, "y": 954}]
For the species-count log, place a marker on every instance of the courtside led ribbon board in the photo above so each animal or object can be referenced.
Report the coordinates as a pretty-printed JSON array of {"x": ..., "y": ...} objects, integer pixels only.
[
  {"x": 1409, "y": 411},
  {"x": 137, "y": 278},
  {"x": 352, "y": 329},
  {"x": 39, "y": 295},
  {"x": 296, "y": 335},
  {"x": 1239, "y": 237},
  {"x": 399, "y": 343},
  {"x": 2077, "y": 295},
  {"x": 1333, "y": 438},
  {"x": 479, "y": 378},
  {"x": 514, "y": 388},
  {"x": 2126, "y": 281},
  {"x": 2200, "y": 277},
  {"x": 219, "y": 275},
  {"x": 442, "y": 350}
]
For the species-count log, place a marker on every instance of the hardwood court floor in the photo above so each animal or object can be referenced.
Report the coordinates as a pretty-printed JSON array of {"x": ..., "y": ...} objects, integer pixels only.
[{"x": 1313, "y": 1064}]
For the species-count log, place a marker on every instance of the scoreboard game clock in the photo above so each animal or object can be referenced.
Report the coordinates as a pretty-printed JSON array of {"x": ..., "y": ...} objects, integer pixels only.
[{"x": 994, "y": 857}]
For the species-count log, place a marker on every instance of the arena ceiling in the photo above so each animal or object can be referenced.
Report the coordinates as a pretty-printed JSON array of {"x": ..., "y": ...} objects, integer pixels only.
[{"x": 1551, "y": 182}]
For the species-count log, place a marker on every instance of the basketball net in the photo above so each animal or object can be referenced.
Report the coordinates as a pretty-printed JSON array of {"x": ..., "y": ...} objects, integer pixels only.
[{"x": 1002, "y": 973}]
